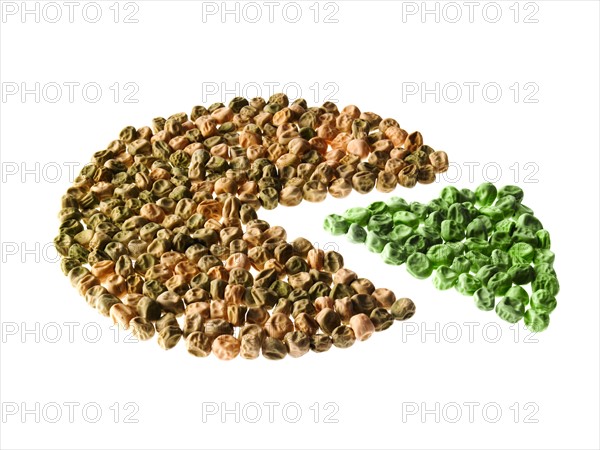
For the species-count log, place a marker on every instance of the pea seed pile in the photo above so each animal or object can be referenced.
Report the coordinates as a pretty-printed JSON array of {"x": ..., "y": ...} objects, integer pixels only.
[
  {"x": 485, "y": 243},
  {"x": 160, "y": 231}
]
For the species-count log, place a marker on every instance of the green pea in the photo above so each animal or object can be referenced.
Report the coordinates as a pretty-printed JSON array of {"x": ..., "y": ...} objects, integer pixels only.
[
  {"x": 543, "y": 238},
  {"x": 486, "y": 272},
  {"x": 543, "y": 256},
  {"x": 485, "y": 194},
  {"x": 435, "y": 219},
  {"x": 506, "y": 225},
  {"x": 515, "y": 191},
  {"x": 378, "y": 208},
  {"x": 358, "y": 215},
  {"x": 501, "y": 240},
  {"x": 395, "y": 204},
  {"x": 356, "y": 234},
  {"x": 467, "y": 284},
  {"x": 394, "y": 253},
  {"x": 375, "y": 242},
  {"x": 536, "y": 321},
  {"x": 529, "y": 222},
  {"x": 522, "y": 209},
  {"x": 437, "y": 204},
  {"x": 489, "y": 225},
  {"x": 336, "y": 225},
  {"x": 400, "y": 233},
  {"x": 452, "y": 231},
  {"x": 544, "y": 268},
  {"x": 526, "y": 236},
  {"x": 477, "y": 259},
  {"x": 445, "y": 278},
  {"x": 440, "y": 255},
  {"x": 460, "y": 214},
  {"x": 521, "y": 253},
  {"x": 451, "y": 195},
  {"x": 521, "y": 273},
  {"x": 419, "y": 209},
  {"x": 416, "y": 243},
  {"x": 499, "y": 283},
  {"x": 476, "y": 229},
  {"x": 479, "y": 245},
  {"x": 419, "y": 266},
  {"x": 461, "y": 264},
  {"x": 468, "y": 195},
  {"x": 543, "y": 301},
  {"x": 484, "y": 299},
  {"x": 430, "y": 234},
  {"x": 518, "y": 293},
  {"x": 494, "y": 213},
  {"x": 458, "y": 248},
  {"x": 547, "y": 282},
  {"x": 501, "y": 259},
  {"x": 507, "y": 204},
  {"x": 380, "y": 223},
  {"x": 407, "y": 218},
  {"x": 510, "y": 309}
]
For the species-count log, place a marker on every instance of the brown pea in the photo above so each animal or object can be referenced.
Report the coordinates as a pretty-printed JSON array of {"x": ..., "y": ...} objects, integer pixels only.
[
  {"x": 202, "y": 308},
  {"x": 316, "y": 258},
  {"x": 328, "y": 320},
  {"x": 344, "y": 308},
  {"x": 152, "y": 212},
  {"x": 323, "y": 302},
  {"x": 384, "y": 297},
  {"x": 305, "y": 323},
  {"x": 278, "y": 325},
  {"x": 290, "y": 196},
  {"x": 116, "y": 285},
  {"x": 171, "y": 302},
  {"x": 258, "y": 316},
  {"x": 395, "y": 134},
  {"x": 344, "y": 276},
  {"x": 297, "y": 343}
]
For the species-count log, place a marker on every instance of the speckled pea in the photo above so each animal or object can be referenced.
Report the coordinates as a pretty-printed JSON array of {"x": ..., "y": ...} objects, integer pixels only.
[
  {"x": 510, "y": 309},
  {"x": 343, "y": 337},
  {"x": 543, "y": 301},
  {"x": 445, "y": 278},
  {"x": 356, "y": 234},
  {"x": 484, "y": 299},
  {"x": 336, "y": 224},
  {"x": 536, "y": 321},
  {"x": 419, "y": 266},
  {"x": 467, "y": 284}
]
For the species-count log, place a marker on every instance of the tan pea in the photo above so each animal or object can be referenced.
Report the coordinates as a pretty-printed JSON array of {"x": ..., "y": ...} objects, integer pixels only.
[
  {"x": 358, "y": 147},
  {"x": 102, "y": 269},
  {"x": 226, "y": 347},
  {"x": 250, "y": 346},
  {"x": 345, "y": 309},
  {"x": 305, "y": 323},
  {"x": 198, "y": 344},
  {"x": 323, "y": 302},
  {"x": 384, "y": 297},
  {"x": 413, "y": 141},
  {"x": 116, "y": 285},
  {"x": 396, "y": 134},
  {"x": 122, "y": 314},
  {"x": 141, "y": 328},
  {"x": 87, "y": 282},
  {"x": 340, "y": 188},
  {"x": 152, "y": 212},
  {"x": 362, "y": 326}
]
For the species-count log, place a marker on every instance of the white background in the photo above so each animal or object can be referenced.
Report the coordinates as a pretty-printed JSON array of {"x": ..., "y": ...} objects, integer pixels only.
[{"x": 373, "y": 54}]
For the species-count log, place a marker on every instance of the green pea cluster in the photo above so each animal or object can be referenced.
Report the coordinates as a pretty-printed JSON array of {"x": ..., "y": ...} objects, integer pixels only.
[{"x": 484, "y": 243}]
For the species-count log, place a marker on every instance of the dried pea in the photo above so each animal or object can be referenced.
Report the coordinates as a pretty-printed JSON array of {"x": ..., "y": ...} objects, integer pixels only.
[{"x": 419, "y": 266}]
